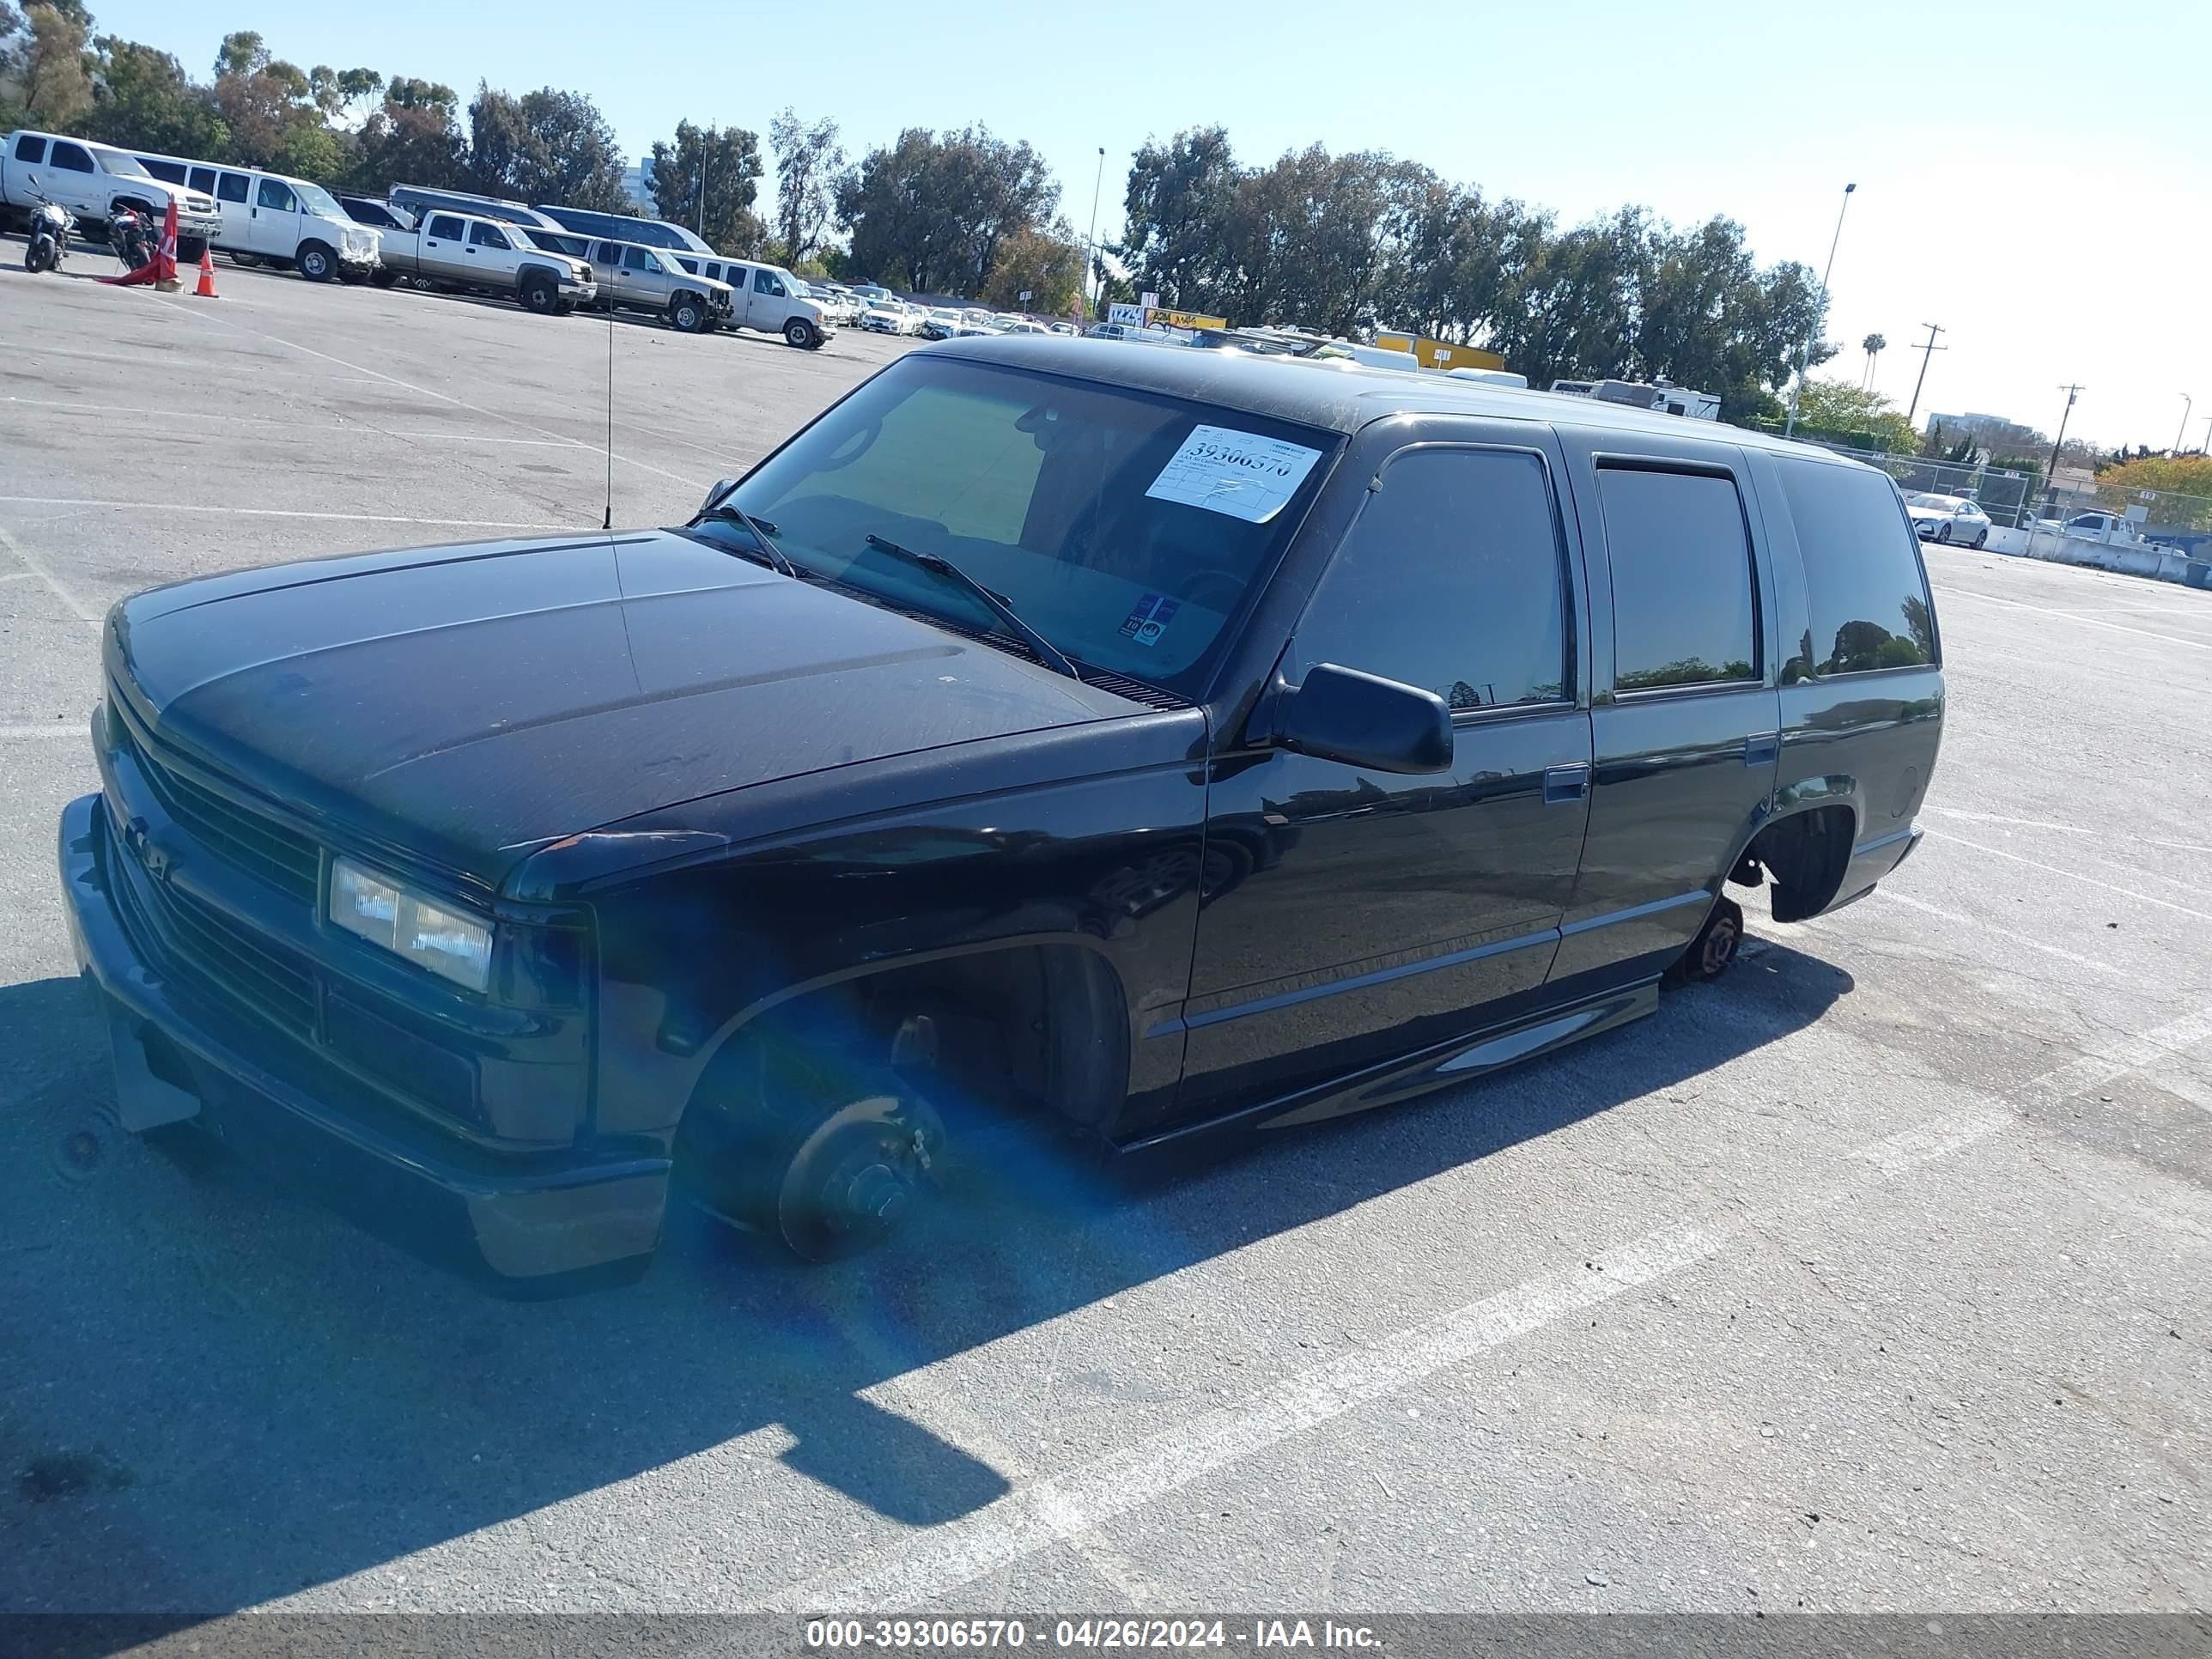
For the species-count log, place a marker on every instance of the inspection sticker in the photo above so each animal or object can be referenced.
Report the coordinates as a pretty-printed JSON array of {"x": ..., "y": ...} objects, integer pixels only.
[
  {"x": 1240, "y": 473},
  {"x": 1149, "y": 618}
]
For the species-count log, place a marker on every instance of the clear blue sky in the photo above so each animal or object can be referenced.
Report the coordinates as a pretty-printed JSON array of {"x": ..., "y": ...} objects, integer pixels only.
[{"x": 2035, "y": 177}]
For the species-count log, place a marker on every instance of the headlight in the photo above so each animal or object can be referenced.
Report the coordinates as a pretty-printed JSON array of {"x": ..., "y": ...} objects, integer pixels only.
[{"x": 431, "y": 935}]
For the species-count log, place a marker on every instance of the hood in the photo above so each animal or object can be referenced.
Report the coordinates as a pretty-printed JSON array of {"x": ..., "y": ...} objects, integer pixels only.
[{"x": 463, "y": 705}]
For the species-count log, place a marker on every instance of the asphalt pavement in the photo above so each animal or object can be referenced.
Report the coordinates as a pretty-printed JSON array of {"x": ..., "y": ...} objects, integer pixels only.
[{"x": 1870, "y": 1277}]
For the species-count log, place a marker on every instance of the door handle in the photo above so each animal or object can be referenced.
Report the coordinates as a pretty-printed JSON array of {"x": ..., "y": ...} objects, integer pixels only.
[
  {"x": 1564, "y": 784},
  {"x": 1762, "y": 749}
]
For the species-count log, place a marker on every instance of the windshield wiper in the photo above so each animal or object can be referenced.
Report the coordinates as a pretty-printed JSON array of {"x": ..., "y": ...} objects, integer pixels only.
[
  {"x": 759, "y": 531},
  {"x": 937, "y": 564}
]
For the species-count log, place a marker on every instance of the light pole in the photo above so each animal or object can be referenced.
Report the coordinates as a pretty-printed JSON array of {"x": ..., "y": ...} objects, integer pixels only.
[
  {"x": 1805, "y": 345},
  {"x": 1090, "y": 242},
  {"x": 2204, "y": 447},
  {"x": 2051, "y": 482},
  {"x": 2188, "y": 403}
]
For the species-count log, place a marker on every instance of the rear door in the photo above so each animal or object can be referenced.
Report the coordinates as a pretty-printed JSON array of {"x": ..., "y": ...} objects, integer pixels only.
[
  {"x": 607, "y": 266},
  {"x": 234, "y": 202},
  {"x": 443, "y": 243},
  {"x": 1686, "y": 719}
]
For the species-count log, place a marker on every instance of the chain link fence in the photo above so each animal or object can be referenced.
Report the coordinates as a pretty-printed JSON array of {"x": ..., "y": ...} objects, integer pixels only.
[{"x": 2019, "y": 500}]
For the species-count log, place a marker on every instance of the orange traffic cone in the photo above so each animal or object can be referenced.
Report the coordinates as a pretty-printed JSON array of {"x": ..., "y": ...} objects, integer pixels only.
[{"x": 206, "y": 289}]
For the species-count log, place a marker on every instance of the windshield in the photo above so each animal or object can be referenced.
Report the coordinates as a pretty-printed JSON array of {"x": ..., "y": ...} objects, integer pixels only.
[
  {"x": 318, "y": 201},
  {"x": 1124, "y": 527},
  {"x": 114, "y": 160},
  {"x": 1946, "y": 503}
]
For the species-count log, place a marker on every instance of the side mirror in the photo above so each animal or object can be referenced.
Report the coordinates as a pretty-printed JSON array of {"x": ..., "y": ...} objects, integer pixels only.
[
  {"x": 720, "y": 488},
  {"x": 1363, "y": 719}
]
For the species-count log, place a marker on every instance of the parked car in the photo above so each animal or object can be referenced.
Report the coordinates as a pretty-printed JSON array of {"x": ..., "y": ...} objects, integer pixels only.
[
  {"x": 890, "y": 317},
  {"x": 1949, "y": 519},
  {"x": 769, "y": 298},
  {"x": 2102, "y": 526},
  {"x": 622, "y": 228},
  {"x": 274, "y": 219},
  {"x": 1067, "y": 328},
  {"x": 451, "y": 249},
  {"x": 940, "y": 322},
  {"x": 91, "y": 182},
  {"x": 903, "y": 790},
  {"x": 1021, "y": 325},
  {"x": 632, "y": 277}
]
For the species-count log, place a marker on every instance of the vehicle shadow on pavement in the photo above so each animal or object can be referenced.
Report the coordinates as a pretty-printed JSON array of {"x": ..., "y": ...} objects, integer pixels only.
[{"x": 218, "y": 1393}]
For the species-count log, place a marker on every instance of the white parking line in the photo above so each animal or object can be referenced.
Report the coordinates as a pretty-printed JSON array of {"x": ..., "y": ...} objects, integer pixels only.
[
  {"x": 405, "y": 385},
  {"x": 269, "y": 513},
  {"x": 1950, "y": 593},
  {"x": 1961, "y": 918},
  {"x": 1061, "y": 1508},
  {"x": 2067, "y": 829},
  {"x": 34, "y": 567},
  {"x": 2070, "y": 875}
]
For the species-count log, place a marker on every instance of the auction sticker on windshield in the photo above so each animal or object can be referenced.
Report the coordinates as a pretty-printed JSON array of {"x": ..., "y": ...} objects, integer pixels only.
[{"x": 1240, "y": 473}]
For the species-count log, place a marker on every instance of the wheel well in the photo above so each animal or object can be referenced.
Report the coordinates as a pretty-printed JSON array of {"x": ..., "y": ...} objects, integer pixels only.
[
  {"x": 1807, "y": 854},
  {"x": 1038, "y": 1029}
]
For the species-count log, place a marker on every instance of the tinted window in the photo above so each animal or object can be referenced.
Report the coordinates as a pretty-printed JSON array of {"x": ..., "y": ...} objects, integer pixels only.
[
  {"x": 1449, "y": 580},
  {"x": 445, "y": 225},
  {"x": 231, "y": 187},
  {"x": 29, "y": 149},
  {"x": 482, "y": 235},
  {"x": 636, "y": 258},
  {"x": 608, "y": 254},
  {"x": 1683, "y": 611},
  {"x": 203, "y": 180},
  {"x": 1868, "y": 600},
  {"x": 1107, "y": 518},
  {"x": 274, "y": 193},
  {"x": 71, "y": 158},
  {"x": 172, "y": 171}
]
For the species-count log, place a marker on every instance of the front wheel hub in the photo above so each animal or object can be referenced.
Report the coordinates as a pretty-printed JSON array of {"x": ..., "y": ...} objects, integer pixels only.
[{"x": 859, "y": 1175}]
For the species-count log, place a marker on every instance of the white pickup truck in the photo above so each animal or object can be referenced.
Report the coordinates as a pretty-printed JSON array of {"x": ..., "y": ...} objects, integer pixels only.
[
  {"x": 456, "y": 250},
  {"x": 93, "y": 180}
]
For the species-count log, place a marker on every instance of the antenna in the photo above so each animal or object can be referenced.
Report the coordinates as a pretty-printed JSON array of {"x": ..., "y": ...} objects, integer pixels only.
[{"x": 608, "y": 522}]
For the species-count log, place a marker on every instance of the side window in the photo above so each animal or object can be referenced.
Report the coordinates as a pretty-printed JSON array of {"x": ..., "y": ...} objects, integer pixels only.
[
  {"x": 1450, "y": 580},
  {"x": 71, "y": 158},
  {"x": 1683, "y": 612},
  {"x": 231, "y": 187},
  {"x": 169, "y": 172},
  {"x": 691, "y": 265},
  {"x": 277, "y": 195},
  {"x": 483, "y": 235},
  {"x": 765, "y": 283},
  {"x": 29, "y": 149},
  {"x": 203, "y": 180},
  {"x": 636, "y": 258},
  {"x": 1863, "y": 586},
  {"x": 445, "y": 225},
  {"x": 608, "y": 254}
]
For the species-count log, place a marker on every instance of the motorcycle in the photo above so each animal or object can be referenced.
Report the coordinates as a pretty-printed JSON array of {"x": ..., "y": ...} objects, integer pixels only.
[
  {"x": 51, "y": 226},
  {"x": 132, "y": 237}
]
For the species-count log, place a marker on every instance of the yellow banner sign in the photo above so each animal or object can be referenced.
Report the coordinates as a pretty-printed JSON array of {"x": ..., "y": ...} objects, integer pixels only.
[
  {"x": 1160, "y": 317},
  {"x": 1438, "y": 354}
]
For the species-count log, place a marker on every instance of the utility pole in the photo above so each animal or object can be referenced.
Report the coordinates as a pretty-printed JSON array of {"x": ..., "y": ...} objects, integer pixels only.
[
  {"x": 1805, "y": 345},
  {"x": 2204, "y": 446},
  {"x": 1090, "y": 242},
  {"x": 1928, "y": 350},
  {"x": 2188, "y": 403},
  {"x": 2050, "y": 481}
]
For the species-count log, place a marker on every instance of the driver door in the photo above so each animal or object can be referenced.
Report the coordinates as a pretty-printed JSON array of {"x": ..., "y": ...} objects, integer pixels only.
[
  {"x": 274, "y": 228},
  {"x": 1350, "y": 915}
]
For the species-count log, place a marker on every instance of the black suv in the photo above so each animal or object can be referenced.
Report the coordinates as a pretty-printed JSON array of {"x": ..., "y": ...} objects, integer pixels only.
[{"x": 1136, "y": 741}]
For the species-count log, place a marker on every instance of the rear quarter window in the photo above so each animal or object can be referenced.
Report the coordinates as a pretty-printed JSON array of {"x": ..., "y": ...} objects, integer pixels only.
[{"x": 1866, "y": 595}]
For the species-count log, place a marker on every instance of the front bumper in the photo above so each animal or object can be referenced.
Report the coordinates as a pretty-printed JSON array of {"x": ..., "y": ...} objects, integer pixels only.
[{"x": 535, "y": 1223}]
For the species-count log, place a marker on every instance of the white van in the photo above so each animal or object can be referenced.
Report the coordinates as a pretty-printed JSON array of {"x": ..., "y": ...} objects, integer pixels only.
[
  {"x": 274, "y": 218},
  {"x": 768, "y": 298}
]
